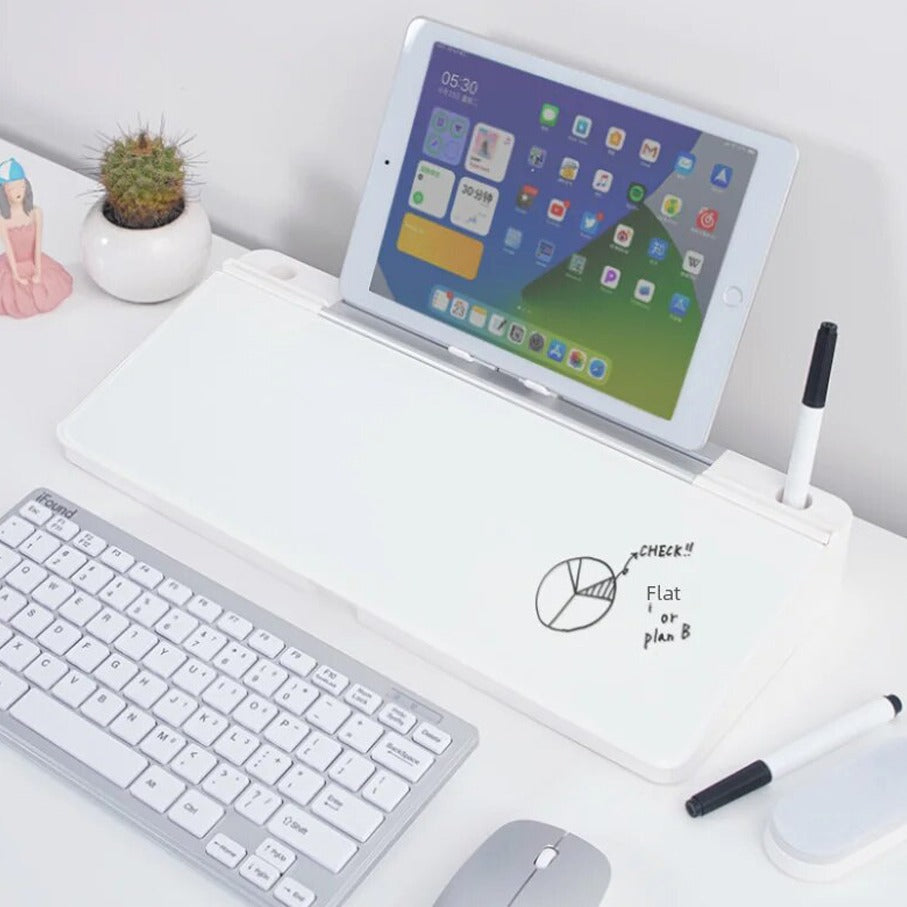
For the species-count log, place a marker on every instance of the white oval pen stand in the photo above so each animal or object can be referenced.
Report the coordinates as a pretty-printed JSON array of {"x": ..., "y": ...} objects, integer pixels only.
[{"x": 633, "y": 598}]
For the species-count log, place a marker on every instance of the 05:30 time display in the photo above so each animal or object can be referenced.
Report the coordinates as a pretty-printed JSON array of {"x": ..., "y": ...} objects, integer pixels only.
[{"x": 459, "y": 82}]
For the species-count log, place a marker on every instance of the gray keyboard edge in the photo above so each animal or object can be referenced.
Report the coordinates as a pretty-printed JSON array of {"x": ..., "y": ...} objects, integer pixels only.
[{"x": 465, "y": 737}]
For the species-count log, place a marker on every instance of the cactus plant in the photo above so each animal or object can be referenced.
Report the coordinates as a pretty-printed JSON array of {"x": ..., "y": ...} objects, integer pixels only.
[{"x": 144, "y": 175}]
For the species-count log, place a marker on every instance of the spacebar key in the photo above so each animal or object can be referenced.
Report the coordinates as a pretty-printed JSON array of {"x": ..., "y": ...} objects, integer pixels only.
[{"x": 78, "y": 737}]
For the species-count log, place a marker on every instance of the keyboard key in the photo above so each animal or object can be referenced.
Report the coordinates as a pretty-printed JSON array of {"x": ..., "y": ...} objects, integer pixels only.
[
  {"x": 175, "y": 592},
  {"x": 8, "y": 560},
  {"x": 265, "y": 644},
  {"x": 234, "y": 625},
  {"x": 147, "y": 609},
  {"x": 53, "y": 592},
  {"x": 319, "y": 751},
  {"x": 431, "y": 738},
  {"x": 102, "y": 707},
  {"x": 14, "y": 531},
  {"x": 268, "y": 764},
  {"x": 296, "y": 661},
  {"x": 362, "y": 698},
  {"x": 328, "y": 714},
  {"x": 195, "y": 813},
  {"x": 93, "y": 577},
  {"x": 225, "y": 783},
  {"x": 164, "y": 659},
  {"x": 74, "y": 689},
  {"x": 224, "y": 694},
  {"x": 119, "y": 593},
  {"x": 294, "y": 894},
  {"x": 11, "y": 688},
  {"x": 234, "y": 660},
  {"x": 204, "y": 609},
  {"x": 329, "y": 679},
  {"x": 296, "y": 696},
  {"x": 193, "y": 763},
  {"x": 26, "y": 576},
  {"x": 39, "y": 546},
  {"x": 351, "y": 770},
  {"x": 360, "y": 733},
  {"x": 19, "y": 653},
  {"x": 225, "y": 850},
  {"x": 66, "y": 561},
  {"x": 205, "y": 642},
  {"x": 176, "y": 625},
  {"x": 265, "y": 677},
  {"x": 257, "y": 804},
  {"x": 312, "y": 837},
  {"x": 398, "y": 719},
  {"x": 5, "y": 635},
  {"x": 286, "y": 731},
  {"x": 385, "y": 790},
  {"x": 347, "y": 812},
  {"x": 11, "y": 603},
  {"x": 274, "y": 853},
  {"x": 35, "y": 512},
  {"x": 407, "y": 759},
  {"x": 45, "y": 671},
  {"x": 145, "y": 575},
  {"x": 145, "y": 689},
  {"x": 87, "y": 654},
  {"x": 59, "y": 637},
  {"x": 80, "y": 738},
  {"x": 254, "y": 713},
  {"x": 80, "y": 608},
  {"x": 32, "y": 621},
  {"x": 157, "y": 788},
  {"x": 300, "y": 784},
  {"x": 115, "y": 672},
  {"x": 132, "y": 725},
  {"x": 88, "y": 542},
  {"x": 194, "y": 677},
  {"x": 63, "y": 528},
  {"x": 259, "y": 873},
  {"x": 136, "y": 642},
  {"x": 108, "y": 625},
  {"x": 174, "y": 708},
  {"x": 117, "y": 559},
  {"x": 162, "y": 744},
  {"x": 236, "y": 744}
]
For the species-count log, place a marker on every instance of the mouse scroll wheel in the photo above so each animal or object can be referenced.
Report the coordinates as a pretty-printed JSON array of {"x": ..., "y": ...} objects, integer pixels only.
[{"x": 545, "y": 858}]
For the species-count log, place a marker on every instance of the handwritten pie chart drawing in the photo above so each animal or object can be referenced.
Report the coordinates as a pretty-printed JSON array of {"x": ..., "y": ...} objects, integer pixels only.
[{"x": 575, "y": 594}]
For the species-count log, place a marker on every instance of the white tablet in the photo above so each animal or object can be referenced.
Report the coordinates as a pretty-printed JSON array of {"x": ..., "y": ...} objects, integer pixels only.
[{"x": 584, "y": 236}]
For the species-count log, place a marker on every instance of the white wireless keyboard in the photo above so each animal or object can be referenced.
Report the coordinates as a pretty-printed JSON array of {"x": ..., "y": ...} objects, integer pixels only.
[{"x": 278, "y": 764}]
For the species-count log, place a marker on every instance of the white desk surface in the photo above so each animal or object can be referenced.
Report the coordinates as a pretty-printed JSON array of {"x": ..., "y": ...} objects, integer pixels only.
[{"x": 59, "y": 847}]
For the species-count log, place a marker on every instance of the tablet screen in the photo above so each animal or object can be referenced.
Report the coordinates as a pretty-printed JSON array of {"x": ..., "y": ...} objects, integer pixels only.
[{"x": 574, "y": 231}]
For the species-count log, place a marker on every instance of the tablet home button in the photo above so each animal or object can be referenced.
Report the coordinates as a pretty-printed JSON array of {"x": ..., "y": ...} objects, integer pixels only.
[{"x": 733, "y": 296}]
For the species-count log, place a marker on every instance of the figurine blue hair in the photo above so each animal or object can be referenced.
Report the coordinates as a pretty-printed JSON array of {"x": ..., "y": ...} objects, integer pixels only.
[{"x": 30, "y": 281}]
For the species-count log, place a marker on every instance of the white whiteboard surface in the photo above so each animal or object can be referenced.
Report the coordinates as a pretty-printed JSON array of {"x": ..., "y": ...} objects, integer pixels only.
[{"x": 436, "y": 508}]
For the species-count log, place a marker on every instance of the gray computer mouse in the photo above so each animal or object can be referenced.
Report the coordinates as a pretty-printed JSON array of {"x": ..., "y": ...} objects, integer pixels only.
[{"x": 530, "y": 864}]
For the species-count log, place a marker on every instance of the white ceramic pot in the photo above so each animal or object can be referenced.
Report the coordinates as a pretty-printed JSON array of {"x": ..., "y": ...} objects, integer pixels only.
[{"x": 146, "y": 265}]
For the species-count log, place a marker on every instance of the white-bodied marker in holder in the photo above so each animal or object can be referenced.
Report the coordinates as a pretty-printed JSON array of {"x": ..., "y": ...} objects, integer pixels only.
[
  {"x": 806, "y": 749},
  {"x": 806, "y": 439}
]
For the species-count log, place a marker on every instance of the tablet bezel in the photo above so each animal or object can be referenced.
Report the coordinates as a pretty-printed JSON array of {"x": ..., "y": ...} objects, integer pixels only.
[{"x": 737, "y": 280}]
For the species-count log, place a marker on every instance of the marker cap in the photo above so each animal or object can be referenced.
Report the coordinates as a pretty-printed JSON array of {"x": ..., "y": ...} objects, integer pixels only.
[
  {"x": 820, "y": 365},
  {"x": 751, "y": 777}
]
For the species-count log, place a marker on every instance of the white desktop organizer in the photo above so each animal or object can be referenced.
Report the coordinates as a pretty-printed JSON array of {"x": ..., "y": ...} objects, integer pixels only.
[{"x": 472, "y": 520}]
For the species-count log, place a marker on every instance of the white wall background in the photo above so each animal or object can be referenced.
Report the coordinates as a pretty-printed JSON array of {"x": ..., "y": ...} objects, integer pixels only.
[{"x": 286, "y": 96}]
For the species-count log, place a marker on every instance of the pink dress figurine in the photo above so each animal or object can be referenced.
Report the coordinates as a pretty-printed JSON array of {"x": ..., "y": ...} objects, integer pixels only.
[{"x": 30, "y": 281}]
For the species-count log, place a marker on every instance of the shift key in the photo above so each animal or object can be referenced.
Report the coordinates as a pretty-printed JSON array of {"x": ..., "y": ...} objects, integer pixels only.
[{"x": 312, "y": 837}]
